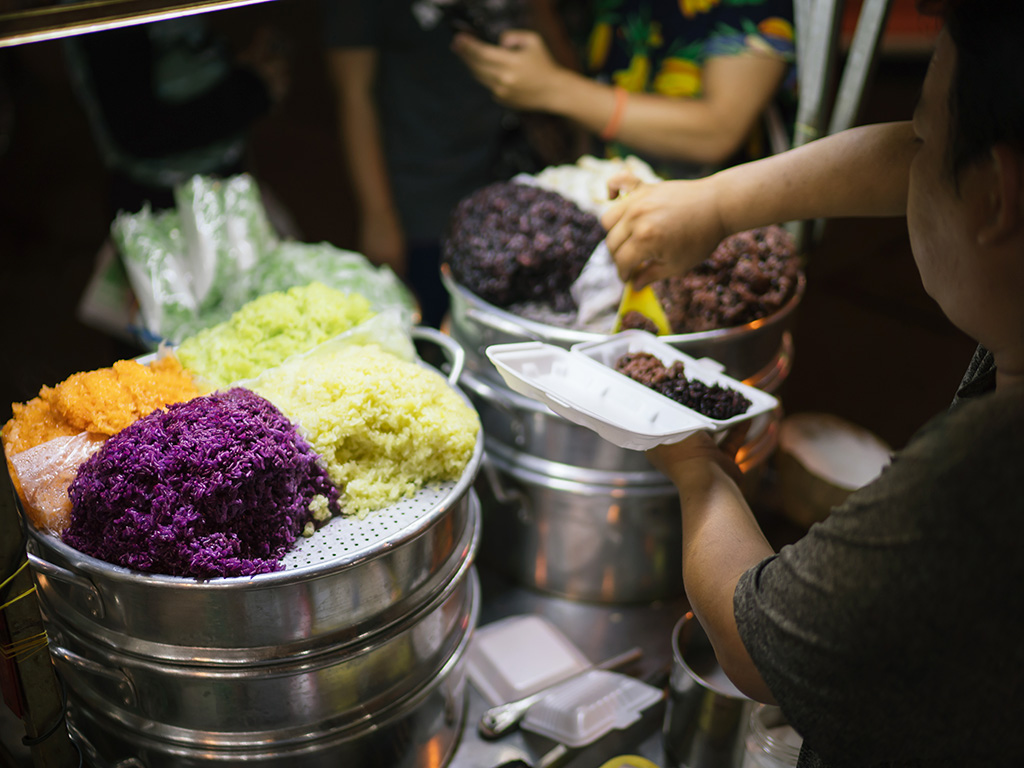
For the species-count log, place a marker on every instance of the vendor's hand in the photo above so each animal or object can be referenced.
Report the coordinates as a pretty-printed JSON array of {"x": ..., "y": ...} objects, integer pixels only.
[
  {"x": 662, "y": 229},
  {"x": 520, "y": 72},
  {"x": 621, "y": 183},
  {"x": 382, "y": 241},
  {"x": 670, "y": 458}
]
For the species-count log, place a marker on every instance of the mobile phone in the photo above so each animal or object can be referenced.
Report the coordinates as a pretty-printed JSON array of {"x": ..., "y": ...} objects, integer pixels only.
[{"x": 462, "y": 18}]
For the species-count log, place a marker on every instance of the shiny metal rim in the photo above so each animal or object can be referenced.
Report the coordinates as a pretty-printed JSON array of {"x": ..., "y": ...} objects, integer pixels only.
[
  {"x": 315, "y": 737},
  {"x": 539, "y": 331}
]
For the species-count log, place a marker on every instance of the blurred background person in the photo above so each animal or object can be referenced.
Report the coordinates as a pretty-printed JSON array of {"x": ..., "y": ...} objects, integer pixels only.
[
  {"x": 685, "y": 84},
  {"x": 172, "y": 99},
  {"x": 417, "y": 132}
]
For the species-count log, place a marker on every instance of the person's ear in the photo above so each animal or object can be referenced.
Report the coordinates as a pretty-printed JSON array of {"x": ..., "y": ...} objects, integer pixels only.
[{"x": 1004, "y": 208}]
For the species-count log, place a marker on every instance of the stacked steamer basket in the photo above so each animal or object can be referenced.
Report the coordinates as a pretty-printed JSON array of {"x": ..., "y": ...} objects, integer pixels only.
[
  {"x": 567, "y": 512},
  {"x": 353, "y": 654}
]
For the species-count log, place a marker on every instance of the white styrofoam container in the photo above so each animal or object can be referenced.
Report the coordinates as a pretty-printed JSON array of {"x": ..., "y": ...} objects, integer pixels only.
[
  {"x": 709, "y": 371},
  {"x": 582, "y": 710},
  {"x": 587, "y": 393},
  {"x": 518, "y": 656},
  {"x": 582, "y": 386}
]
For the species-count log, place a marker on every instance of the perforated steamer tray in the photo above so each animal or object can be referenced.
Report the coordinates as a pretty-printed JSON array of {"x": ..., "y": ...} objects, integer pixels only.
[
  {"x": 581, "y": 385},
  {"x": 347, "y": 539},
  {"x": 351, "y": 577}
]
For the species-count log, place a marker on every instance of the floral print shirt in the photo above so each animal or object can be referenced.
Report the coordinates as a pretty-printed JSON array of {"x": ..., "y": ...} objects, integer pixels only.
[{"x": 661, "y": 46}]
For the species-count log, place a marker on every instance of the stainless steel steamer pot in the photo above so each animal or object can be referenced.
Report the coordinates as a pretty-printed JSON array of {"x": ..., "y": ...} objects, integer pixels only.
[
  {"x": 351, "y": 578},
  {"x": 567, "y": 512},
  {"x": 292, "y": 698},
  {"x": 586, "y": 534},
  {"x": 747, "y": 351},
  {"x": 421, "y": 730},
  {"x": 345, "y": 584},
  {"x": 378, "y": 609}
]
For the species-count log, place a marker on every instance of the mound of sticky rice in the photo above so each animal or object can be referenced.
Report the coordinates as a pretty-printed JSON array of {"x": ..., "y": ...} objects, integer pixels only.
[
  {"x": 50, "y": 435},
  {"x": 267, "y": 330},
  {"x": 221, "y": 485},
  {"x": 385, "y": 426},
  {"x": 749, "y": 276},
  {"x": 510, "y": 243},
  {"x": 103, "y": 401},
  {"x": 714, "y": 401}
]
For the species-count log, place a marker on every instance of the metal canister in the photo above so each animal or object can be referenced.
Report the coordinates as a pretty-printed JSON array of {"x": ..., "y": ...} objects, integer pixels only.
[{"x": 706, "y": 716}]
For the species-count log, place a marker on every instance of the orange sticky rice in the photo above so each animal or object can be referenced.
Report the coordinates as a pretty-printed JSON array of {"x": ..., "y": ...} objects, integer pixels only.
[
  {"x": 103, "y": 401},
  {"x": 100, "y": 402}
]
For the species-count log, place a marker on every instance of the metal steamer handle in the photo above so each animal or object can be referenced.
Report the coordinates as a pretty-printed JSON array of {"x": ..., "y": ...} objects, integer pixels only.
[
  {"x": 453, "y": 351},
  {"x": 499, "y": 720},
  {"x": 93, "y": 754},
  {"x": 124, "y": 686},
  {"x": 506, "y": 496},
  {"x": 500, "y": 324},
  {"x": 45, "y": 568}
]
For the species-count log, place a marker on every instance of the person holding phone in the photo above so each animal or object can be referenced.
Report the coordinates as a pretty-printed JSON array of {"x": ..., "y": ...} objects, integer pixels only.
[
  {"x": 681, "y": 83},
  {"x": 418, "y": 133}
]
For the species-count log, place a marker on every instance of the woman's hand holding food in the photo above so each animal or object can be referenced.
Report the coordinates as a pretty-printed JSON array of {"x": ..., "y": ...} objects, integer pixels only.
[
  {"x": 670, "y": 227},
  {"x": 662, "y": 229}
]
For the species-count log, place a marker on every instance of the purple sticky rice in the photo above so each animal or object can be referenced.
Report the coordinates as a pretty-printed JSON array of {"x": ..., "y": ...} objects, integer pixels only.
[
  {"x": 510, "y": 242},
  {"x": 217, "y": 486}
]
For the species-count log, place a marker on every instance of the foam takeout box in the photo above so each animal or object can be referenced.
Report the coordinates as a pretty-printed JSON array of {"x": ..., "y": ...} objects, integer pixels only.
[{"x": 581, "y": 385}]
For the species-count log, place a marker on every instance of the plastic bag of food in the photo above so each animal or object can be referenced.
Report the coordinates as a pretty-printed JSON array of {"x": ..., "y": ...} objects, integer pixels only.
[
  {"x": 194, "y": 267},
  {"x": 43, "y": 474},
  {"x": 226, "y": 232},
  {"x": 152, "y": 247}
]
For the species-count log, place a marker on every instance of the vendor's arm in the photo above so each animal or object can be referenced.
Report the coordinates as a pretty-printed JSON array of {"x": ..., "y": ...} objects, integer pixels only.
[
  {"x": 381, "y": 238},
  {"x": 668, "y": 228},
  {"x": 721, "y": 540},
  {"x": 521, "y": 73}
]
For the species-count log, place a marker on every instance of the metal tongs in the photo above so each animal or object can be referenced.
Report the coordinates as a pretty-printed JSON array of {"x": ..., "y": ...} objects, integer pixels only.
[{"x": 501, "y": 719}]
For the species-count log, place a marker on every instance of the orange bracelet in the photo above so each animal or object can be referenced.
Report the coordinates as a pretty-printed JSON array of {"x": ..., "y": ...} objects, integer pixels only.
[{"x": 612, "y": 128}]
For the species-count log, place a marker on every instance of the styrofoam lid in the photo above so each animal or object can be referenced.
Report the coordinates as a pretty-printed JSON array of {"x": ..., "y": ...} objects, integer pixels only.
[
  {"x": 519, "y": 655},
  {"x": 581, "y": 710}
]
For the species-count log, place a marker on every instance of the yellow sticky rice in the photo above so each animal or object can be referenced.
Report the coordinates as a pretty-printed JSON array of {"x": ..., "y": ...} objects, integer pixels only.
[
  {"x": 269, "y": 329},
  {"x": 385, "y": 427}
]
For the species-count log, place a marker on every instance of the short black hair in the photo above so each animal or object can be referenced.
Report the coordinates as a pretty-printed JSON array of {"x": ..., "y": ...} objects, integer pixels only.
[{"x": 986, "y": 99}]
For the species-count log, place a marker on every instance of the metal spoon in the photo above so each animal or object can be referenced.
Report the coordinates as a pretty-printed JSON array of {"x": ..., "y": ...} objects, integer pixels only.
[{"x": 499, "y": 720}]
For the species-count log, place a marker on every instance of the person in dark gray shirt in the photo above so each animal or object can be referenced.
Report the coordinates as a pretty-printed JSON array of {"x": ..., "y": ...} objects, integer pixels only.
[
  {"x": 417, "y": 131},
  {"x": 890, "y": 635}
]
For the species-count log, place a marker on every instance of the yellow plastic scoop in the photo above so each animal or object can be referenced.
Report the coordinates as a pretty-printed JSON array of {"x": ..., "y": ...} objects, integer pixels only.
[{"x": 646, "y": 303}]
